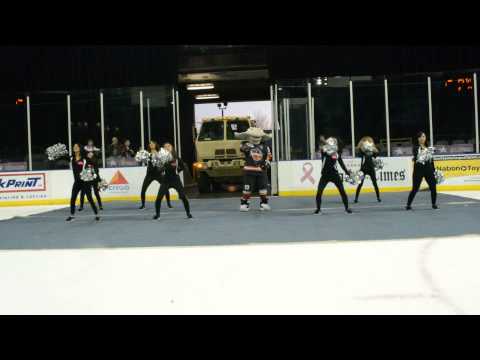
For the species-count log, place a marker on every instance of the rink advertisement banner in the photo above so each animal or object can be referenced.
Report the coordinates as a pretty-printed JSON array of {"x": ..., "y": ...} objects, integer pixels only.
[
  {"x": 24, "y": 186},
  {"x": 55, "y": 187},
  {"x": 461, "y": 171},
  {"x": 22, "y": 182},
  {"x": 302, "y": 177}
]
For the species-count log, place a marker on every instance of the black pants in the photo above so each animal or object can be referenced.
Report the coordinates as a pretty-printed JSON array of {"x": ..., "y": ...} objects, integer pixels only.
[
  {"x": 79, "y": 186},
  {"x": 324, "y": 180},
  {"x": 255, "y": 181},
  {"x": 373, "y": 176},
  {"x": 421, "y": 172},
  {"x": 146, "y": 183},
  {"x": 96, "y": 191},
  {"x": 176, "y": 184}
]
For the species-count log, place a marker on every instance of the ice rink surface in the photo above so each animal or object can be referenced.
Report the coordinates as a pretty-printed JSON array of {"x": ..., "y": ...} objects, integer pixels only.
[{"x": 379, "y": 260}]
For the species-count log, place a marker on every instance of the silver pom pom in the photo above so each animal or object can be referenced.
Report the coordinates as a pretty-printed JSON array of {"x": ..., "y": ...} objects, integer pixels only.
[
  {"x": 88, "y": 174},
  {"x": 56, "y": 151},
  {"x": 355, "y": 177},
  {"x": 142, "y": 156},
  {"x": 161, "y": 158},
  {"x": 368, "y": 147},
  {"x": 103, "y": 185},
  {"x": 331, "y": 146},
  {"x": 439, "y": 177},
  {"x": 425, "y": 155},
  {"x": 378, "y": 164},
  {"x": 330, "y": 149}
]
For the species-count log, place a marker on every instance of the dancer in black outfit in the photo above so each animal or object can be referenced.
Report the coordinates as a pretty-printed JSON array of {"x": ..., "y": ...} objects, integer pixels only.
[
  {"x": 424, "y": 167},
  {"x": 368, "y": 152},
  {"x": 153, "y": 174},
  {"x": 94, "y": 183},
  {"x": 78, "y": 164},
  {"x": 172, "y": 180},
  {"x": 330, "y": 156}
]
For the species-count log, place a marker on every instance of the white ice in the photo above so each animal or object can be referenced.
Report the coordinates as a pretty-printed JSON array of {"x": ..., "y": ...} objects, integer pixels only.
[{"x": 421, "y": 276}]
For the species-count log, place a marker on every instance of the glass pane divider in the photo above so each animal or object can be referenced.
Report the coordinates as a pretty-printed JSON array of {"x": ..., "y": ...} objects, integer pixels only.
[
  {"x": 142, "y": 130},
  {"x": 29, "y": 134},
  {"x": 352, "y": 118},
  {"x": 102, "y": 126},
  {"x": 387, "y": 117},
  {"x": 475, "y": 97},
  {"x": 69, "y": 127},
  {"x": 430, "y": 115}
]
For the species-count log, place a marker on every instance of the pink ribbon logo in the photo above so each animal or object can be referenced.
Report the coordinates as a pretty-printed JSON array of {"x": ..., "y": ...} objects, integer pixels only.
[{"x": 307, "y": 173}]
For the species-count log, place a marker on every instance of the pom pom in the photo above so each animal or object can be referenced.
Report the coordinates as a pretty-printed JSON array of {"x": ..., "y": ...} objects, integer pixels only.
[
  {"x": 355, "y": 177},
  {"x": 142, "y": 156},
  {"x": 88, "y": 174},
  {"x": 378, "y": 164},
  {"x": 439, "y": 177},
  {"x": 56, "y": 151},
  {"x": 103, "y": 185},
  {"x": 161, "y": 158}
]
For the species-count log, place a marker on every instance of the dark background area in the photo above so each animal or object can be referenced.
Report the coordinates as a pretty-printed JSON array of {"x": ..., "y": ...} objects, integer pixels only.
[{"x": 31, "y": 68}]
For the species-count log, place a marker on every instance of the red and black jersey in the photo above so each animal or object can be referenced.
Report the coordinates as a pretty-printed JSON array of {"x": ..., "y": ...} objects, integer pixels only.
[
  {"x": 256, "y": 156},
  {"x": 77, "y": 167}
]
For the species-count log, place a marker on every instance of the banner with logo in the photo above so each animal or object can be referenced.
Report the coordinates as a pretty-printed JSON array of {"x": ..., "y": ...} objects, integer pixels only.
[
  {"x": 302, "y": 177},
  {"x": 55, "y": 186},
  {"x": 23, "y": 186},
  {"x": 460, "y": 171}
]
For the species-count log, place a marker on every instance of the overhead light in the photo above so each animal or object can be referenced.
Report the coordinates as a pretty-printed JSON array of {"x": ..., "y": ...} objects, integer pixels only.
[
  {"x": 206, "y": 96},
  {"x": 205, "y": 86}
]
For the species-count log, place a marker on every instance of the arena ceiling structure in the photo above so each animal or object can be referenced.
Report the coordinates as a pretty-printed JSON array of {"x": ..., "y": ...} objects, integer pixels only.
[{"x": 248, "y": 67}]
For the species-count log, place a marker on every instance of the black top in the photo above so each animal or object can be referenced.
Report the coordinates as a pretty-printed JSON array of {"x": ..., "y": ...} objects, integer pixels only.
[
  {"x": 329, "y": 162},
  {"x": 256, "y": 156},
  {"x": 172, "y": 169},
  {"x": 367, "y": 164},
  {"x": 77, "y": 167},
  {"x": 152, "y": 170},
  {"x": 430, "y": 163}
]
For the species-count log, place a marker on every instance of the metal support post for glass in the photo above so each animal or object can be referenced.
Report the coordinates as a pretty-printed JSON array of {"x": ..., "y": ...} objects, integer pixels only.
[
  {"x": 312, "y": 109},
  {"x": 475, "y": 97},
  {"x": 311, "y": 122},
  {"x": 174, "y": 119},
  {"x": 148, "y": 120},
  {"x": 277, "y": 124},
  {"x": 352, "y": 118},
  {"x": 387, "y": 117},
  {"x": 69, "y": 127},
  {"x": 179, "y": 149},
  {"x": 430, "y": 116},
  {"x": 142, "y": 130},
  {"x": 29, "y": 135},
  {"x": 274, "y": 166},
  {"x": 102, "y": 127},
  {"x": 287, "y": 128}
]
